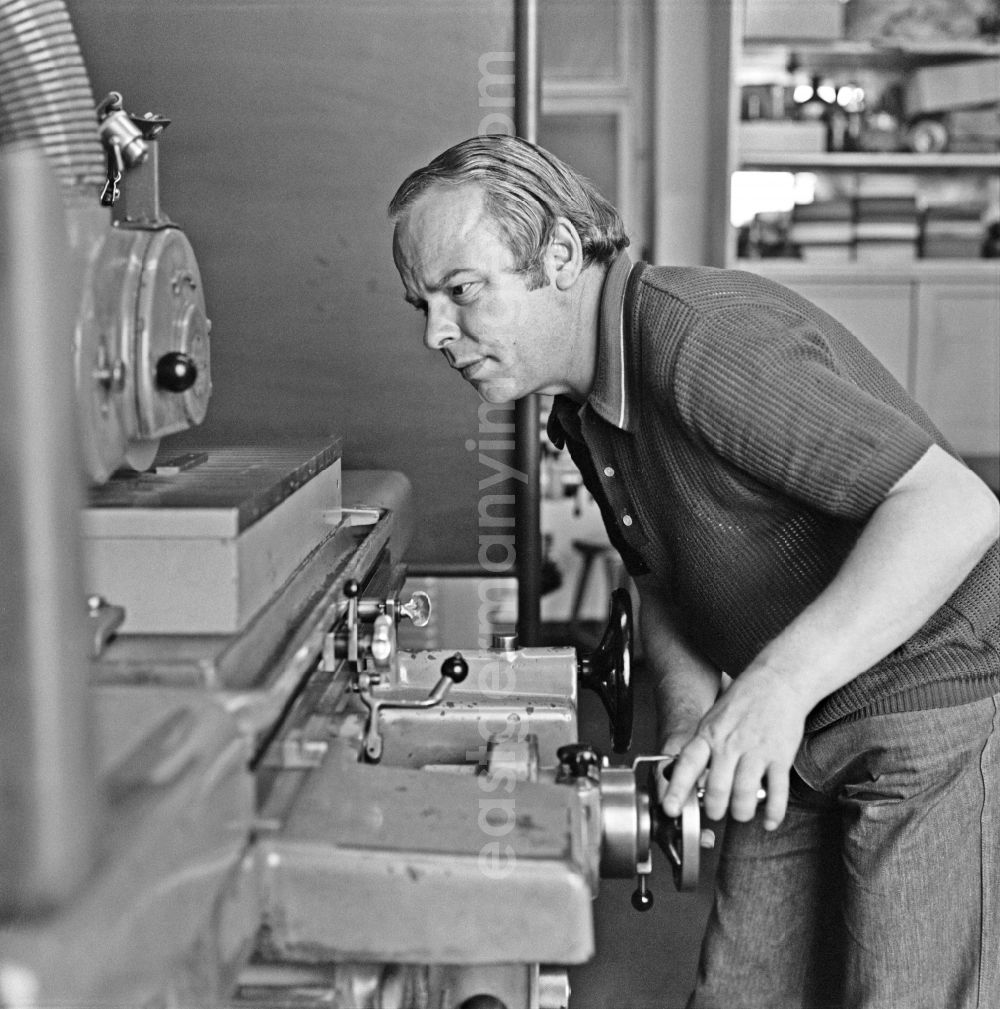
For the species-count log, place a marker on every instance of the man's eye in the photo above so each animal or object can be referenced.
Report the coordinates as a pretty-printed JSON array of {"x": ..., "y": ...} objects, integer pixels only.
[{"x": 463, "y": 292}]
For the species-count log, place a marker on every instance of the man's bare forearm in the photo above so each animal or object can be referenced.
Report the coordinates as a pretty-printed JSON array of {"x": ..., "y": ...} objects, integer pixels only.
[
  {"x": 926, "y": 536},
  {"x": 915, "y": 551},
  {"x": 686, "y": 686}
]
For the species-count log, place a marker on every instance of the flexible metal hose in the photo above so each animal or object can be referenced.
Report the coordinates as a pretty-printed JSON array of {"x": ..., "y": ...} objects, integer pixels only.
[{"x": 45, "y": 93}]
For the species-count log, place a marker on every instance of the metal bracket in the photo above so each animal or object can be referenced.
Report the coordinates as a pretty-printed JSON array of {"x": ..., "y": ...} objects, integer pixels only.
[{"x": 104, "y": 621}]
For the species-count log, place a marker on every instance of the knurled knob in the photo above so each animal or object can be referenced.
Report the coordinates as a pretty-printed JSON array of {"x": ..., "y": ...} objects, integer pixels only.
[{"x": 579, "y": 760}]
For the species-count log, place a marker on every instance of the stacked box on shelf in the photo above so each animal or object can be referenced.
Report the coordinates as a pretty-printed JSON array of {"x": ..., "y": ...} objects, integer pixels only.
[
  {"x": 794, "y": 19},
  {"x": 899, "y": 22},
  {"x": 965, "y": 85},
  {"x": 974, "y": 130},
  {"x": 886, "y": 219},
  {"x": 823, "y": 231},
  {"x": 952, "y": 231},
  {"x": 781, "y": 136}
]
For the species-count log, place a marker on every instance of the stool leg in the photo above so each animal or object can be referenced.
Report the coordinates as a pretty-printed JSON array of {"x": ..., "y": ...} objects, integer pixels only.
[{"x": 581, "y": 588}]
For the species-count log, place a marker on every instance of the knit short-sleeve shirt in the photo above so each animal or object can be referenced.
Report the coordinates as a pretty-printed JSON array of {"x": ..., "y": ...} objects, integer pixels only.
[{"x": 737, "y": 438}]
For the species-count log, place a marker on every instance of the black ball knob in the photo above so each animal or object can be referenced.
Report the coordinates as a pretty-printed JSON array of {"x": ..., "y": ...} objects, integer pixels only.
[
  {"x": 642, "y": 899},
  {"x": 483, "y": 1002},
  {"x": 176, "y": 372},
  {"x": 351, "y": 588},
  {"x": 455, "y": 668}
]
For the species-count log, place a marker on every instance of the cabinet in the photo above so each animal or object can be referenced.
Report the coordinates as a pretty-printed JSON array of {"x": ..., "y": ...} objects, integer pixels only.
[
  {"x": 957, "y": 366},
  {"x": 936, "y": 328},
  {"x": 918, "y": 130},
  {"x": 877, "y": 309}
]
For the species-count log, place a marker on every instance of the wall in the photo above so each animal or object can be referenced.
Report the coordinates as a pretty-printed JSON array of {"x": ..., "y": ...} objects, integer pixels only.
[
  {"x": 693, "y": 45},
  {"x": 293, "y": 123}
]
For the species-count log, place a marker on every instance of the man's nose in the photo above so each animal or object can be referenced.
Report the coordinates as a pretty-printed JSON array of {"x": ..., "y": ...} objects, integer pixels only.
[{"x": 440, "y": 329}]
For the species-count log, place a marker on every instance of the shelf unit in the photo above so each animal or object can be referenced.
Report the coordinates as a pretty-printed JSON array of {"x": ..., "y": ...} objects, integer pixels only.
[
  {"x": 767, "y": 60},
  {"x": 876, "y": 54},
  {"x": 864, "y": 161},
  {"x": 934, "y": 322},
  {"x": 873, "y": 64}
]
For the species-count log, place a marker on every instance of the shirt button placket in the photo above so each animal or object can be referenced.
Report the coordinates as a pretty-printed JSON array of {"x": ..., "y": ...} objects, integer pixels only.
[{"x": 609, "y": 472}]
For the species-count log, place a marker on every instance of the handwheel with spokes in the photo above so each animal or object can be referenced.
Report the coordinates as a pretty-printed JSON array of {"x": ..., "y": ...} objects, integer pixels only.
[{"x": 607, "y": 670}]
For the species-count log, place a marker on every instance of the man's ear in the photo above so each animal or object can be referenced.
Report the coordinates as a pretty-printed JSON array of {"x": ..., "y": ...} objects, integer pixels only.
[{"x": 565, "y": 254}]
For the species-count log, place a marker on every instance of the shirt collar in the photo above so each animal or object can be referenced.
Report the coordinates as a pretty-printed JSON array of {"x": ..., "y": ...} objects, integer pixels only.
[{"x": 609, "y": 395}]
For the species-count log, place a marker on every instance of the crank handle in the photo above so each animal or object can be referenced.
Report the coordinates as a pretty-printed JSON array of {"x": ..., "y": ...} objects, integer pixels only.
[{"x": 453, "y": 670}]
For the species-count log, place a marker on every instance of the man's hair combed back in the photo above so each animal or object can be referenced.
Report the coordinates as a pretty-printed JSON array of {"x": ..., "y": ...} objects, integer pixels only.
[{"x": 525, "y": 188}]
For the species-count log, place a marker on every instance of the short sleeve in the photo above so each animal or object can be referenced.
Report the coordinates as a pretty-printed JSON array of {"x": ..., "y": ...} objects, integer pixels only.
[{"x": 768, "y": 392}]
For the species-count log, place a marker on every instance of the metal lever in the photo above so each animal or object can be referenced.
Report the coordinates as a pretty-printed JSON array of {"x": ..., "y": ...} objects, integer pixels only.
[
  {"x": 382, "y": 639},
  {"x": 608, "y": 670},
  {"x": 351, "y": 591},
  {"x": 679, "y": 837},
  {"x": 104, "y": 620},
  {"x": 642, "y": 898},
  {"x": 453, "y": 670}
]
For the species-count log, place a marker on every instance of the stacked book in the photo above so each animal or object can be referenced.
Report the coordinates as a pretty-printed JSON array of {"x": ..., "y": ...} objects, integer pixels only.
[
  {"x": 823, "y": 231},
  {"x": 952, "y": 231},
  {"x": 886, "y": 219}
]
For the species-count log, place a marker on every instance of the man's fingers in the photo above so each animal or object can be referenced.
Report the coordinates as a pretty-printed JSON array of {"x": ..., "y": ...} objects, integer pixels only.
[
  {"x": 777, "y": 798},
  {"x": 741, "y": 786},
  {"x": 684, "y": 774},
  {"x": 719, "y": 786},
  {"x": 747, "y": 789}
]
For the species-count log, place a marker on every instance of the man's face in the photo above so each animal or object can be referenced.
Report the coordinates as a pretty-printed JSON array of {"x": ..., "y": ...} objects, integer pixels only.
[{"x": 504, "y": 339}]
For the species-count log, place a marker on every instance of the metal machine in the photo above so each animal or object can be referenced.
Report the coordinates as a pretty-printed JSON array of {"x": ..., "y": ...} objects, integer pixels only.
[{"x": 223, "y": 781}]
